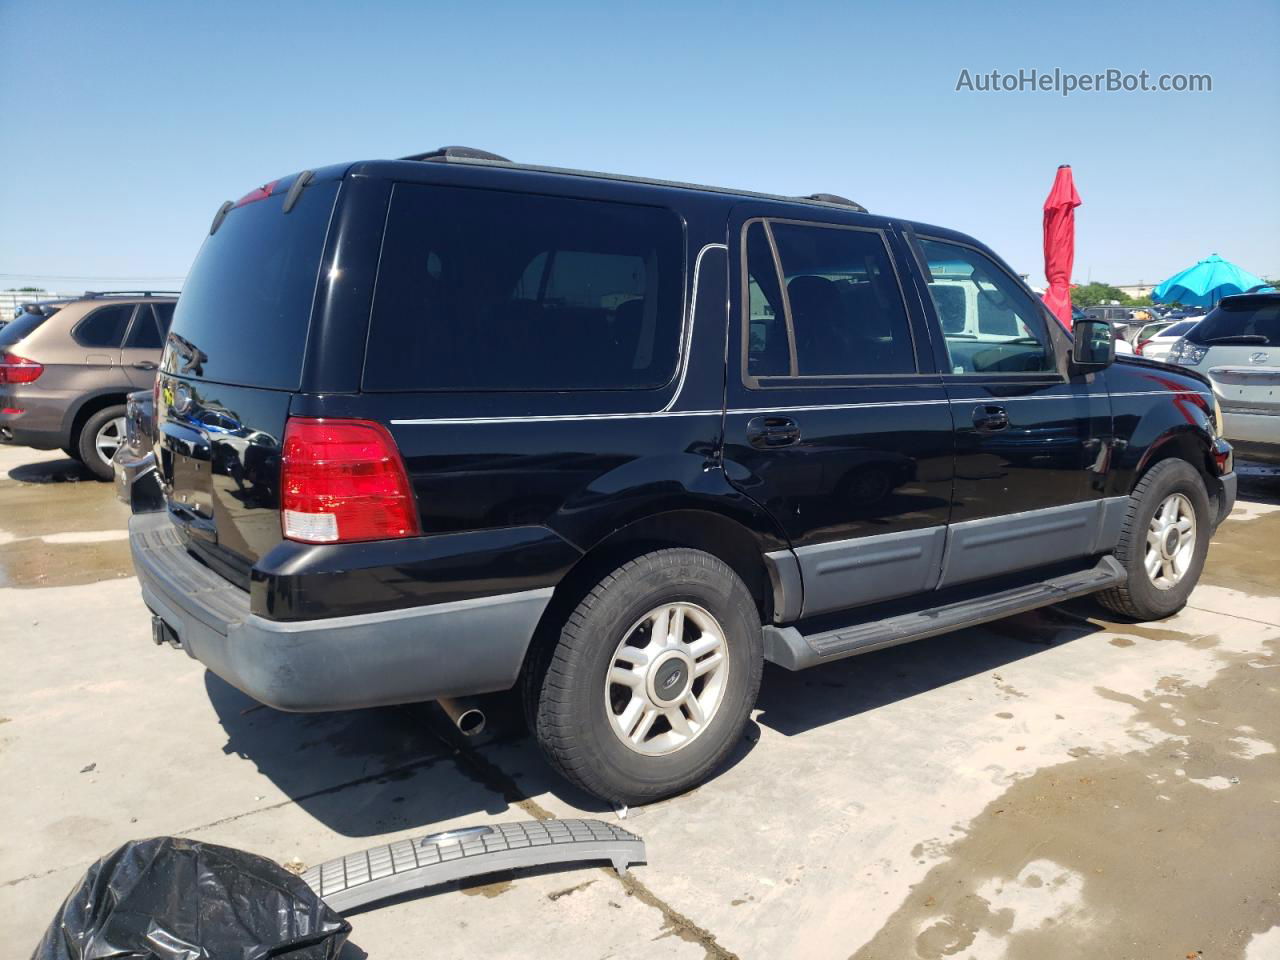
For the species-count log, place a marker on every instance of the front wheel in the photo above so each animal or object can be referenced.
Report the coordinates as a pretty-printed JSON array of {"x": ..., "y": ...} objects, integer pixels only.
[
  {"x": 652, "y": 678},
  {"x": 1163, "y": 543}
]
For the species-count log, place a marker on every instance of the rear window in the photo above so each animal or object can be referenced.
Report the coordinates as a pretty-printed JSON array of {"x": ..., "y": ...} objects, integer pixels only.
[
  {"x": 489, "y": 290},
  {"x": 1255, "y": 320},
  {"x": 20, "y": 328},
  {"x": 246, "y": 304}
]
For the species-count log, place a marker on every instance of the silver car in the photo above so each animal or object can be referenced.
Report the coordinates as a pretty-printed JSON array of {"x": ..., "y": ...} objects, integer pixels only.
[{"x": 1238, "y": 346}]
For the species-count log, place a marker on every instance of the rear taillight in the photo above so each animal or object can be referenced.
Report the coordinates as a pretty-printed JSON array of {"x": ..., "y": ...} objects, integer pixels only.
[
  {"x": 16, "y": 369},
  {"x": 342, "y": 481},
  {"x": 1140, "y": 347}
]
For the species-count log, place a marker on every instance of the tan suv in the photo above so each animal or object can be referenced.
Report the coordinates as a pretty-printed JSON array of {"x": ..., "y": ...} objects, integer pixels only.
[{"x": 66, "y": 367}]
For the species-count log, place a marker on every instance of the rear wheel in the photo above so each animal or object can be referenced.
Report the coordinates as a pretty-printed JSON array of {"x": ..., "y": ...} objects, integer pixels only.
[
  {"x": 100, "y": 437},
  {"x": 1163, "y": 543},
  {"x": 652, "y": 679}
]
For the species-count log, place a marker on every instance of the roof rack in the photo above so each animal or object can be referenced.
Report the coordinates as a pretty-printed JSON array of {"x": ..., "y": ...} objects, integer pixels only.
[
  {"x": 96, "y": 294},
  {"x": 483, "y": 158},
  {"x": 446, "y": 154},
  {"x": 834, "y": 198}
]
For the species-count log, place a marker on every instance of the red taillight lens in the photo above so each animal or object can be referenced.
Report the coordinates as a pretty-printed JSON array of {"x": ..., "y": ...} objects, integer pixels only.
[
  {"x": 16, "y": 369},
  {"x": 342, "y": 481},
  {"x": 261, "y": 193},
  {"x": 1139, "y": 348}
]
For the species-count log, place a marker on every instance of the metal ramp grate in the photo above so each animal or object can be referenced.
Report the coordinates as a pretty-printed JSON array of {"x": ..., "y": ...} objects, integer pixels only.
[{"x": 406, "y": 865}]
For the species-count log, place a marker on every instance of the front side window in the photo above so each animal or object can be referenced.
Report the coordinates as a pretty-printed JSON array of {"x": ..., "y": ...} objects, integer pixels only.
[
  {"x": 104, "y": 327},
  {"x": 827, "y": 305},
  {"x": 989, "y": 323},
  {"x": 490, "y": 290}
]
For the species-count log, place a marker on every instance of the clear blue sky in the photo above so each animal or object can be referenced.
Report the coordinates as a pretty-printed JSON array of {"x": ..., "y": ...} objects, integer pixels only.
[{"x": 129, "y": 123}]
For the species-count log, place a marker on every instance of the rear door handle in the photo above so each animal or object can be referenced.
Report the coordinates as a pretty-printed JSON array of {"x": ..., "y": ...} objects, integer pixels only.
[
  {"x": 988, "y": 418},
  {"x": 768, "y": 432}
]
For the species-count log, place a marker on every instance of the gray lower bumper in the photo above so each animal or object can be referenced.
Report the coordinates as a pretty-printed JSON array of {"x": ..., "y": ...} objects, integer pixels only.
[
  {"x": 400, "y": 656},
  {"x": 406, "y": 865}
]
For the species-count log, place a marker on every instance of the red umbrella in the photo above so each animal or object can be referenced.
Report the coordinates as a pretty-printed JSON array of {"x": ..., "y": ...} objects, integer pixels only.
[{"x": 1060, "y": 243}]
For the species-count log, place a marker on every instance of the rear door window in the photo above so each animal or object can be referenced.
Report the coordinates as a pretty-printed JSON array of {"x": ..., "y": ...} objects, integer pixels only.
[
  {"x": 245, "y": 309},
  {"x": 103, "y": 328},
  {"x": 838, "y": 298},
  {"x": 145, "y": 333},
  {"x": 490, "y": 290}
]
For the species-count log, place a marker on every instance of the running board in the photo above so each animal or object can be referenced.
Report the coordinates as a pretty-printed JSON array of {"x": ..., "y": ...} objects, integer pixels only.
[
  {"x": 788, "y": 647},
  {"x": 407, "y": 865}
]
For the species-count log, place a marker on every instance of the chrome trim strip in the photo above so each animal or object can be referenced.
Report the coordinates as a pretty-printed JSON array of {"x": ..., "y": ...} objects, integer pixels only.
[
  {"x": 686, "y": 351},
  {"x": 666, "y": 413}
]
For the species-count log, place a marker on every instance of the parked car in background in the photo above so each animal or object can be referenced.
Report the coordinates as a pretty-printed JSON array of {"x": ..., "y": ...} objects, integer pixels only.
[
  {"x": 523, "y": 443},
  {"x": 66, "y": 368},
  {"x": 1157, "y": 345},
  {"x": 1238, "y": 346}
]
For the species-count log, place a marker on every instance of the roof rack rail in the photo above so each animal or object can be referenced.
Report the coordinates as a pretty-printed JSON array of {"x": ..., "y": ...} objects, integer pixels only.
[
  {"x": 94, "y": 294},
  {"x": 445, "y": 154},
  {"x": 835, "y": 198}
]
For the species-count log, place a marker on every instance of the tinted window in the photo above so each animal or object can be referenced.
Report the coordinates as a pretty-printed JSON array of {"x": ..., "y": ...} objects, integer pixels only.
[
  {"x": 246, "y": 304},
  {"x": 144, "y": 334},
  {"x": 989, "y": 322},
  {"x": 1255, "y": 320},
  {"x": 21, "y": 327},
  {"x": 1178, "y": 329},
  {"x": 164, "y": 312},
  {"x": 489, "y": 290},
  {"x": 768, "y": 336},
  {"x": 104, "y": 327},
  {"x": 842, "y": 297}
]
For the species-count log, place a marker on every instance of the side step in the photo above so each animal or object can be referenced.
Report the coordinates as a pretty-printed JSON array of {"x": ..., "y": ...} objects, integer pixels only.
[
  {"x": 788, "y": 647},
  {"x": 406, "y": 865}
]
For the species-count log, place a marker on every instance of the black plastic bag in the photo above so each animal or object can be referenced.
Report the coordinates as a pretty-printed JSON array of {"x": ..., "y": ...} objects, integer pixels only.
[{"x": 173, "y": 899}]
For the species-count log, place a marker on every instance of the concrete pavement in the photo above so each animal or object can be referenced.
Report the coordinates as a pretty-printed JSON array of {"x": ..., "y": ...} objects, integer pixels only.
[{"x": 1049, "y": 786}]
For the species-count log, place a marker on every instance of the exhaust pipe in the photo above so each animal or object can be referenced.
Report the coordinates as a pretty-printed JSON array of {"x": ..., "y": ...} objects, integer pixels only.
[{"x": 466, "y": 716}]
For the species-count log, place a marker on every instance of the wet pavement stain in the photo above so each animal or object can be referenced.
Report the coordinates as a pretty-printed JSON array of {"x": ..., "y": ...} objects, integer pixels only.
[
  {"x": 494, "y": 885},
  {"x": 1118, "y": 855},
  {"x": 1238, "y": 550}
]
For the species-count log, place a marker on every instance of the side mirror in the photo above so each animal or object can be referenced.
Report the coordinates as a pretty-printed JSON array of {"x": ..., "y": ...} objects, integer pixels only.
[{"x": 1093, "y": 344}]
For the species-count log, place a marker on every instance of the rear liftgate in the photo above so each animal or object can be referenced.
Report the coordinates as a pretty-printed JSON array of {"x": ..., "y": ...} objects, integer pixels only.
[{"x": 408, "y": 865}]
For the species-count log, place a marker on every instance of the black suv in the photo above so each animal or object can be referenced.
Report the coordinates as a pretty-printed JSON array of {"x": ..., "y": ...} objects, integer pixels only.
[{"x": 449, "y": 424}]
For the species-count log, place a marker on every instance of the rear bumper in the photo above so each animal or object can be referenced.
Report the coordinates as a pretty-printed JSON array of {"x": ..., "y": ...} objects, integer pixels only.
[
  {"x": 1226, "y": 496},
  {"x": 400, "y": 656},
  {"x": 1252, "y": 429},
  {"x": 41, "y": 422}
]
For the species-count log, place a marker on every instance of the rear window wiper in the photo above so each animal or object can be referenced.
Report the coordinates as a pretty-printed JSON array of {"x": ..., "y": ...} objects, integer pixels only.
[{"x": 1239, "y": 338}]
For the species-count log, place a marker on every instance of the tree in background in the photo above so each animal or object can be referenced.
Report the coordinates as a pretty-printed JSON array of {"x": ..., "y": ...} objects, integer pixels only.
[{"x": 1092, "y": 294}]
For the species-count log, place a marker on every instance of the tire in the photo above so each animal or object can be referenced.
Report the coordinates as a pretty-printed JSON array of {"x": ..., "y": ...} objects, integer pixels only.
[
  {"x": 1144, "y": 596},
  {"x": 88, "y": 443},
  {"x": 577, "y": 710}
]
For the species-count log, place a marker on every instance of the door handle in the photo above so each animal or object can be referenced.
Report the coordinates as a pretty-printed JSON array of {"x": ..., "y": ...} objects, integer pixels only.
[
  {"x": 769, "y": 432},
  {"x": 144, "y": 365},
  {"x": 988, "y": 418}
]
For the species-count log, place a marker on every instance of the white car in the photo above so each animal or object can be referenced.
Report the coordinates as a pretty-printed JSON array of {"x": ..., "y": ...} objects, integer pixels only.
[
  {"x": 1238, "y": 346},
  {"x": 1157, "y": 347}
]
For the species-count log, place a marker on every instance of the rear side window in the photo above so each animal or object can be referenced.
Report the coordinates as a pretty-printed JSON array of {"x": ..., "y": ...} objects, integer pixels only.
[
  {"x": 838, "y": 297},
  {"x": 245, "y": 308},
  {"x": 1244, "y": 321},
  {"x": 489, "y": 290},
  {"x": 104, "y": 327}
]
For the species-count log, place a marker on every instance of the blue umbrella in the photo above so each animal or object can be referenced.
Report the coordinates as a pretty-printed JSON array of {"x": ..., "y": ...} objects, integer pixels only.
[{"x": 1205, "y": 284}]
